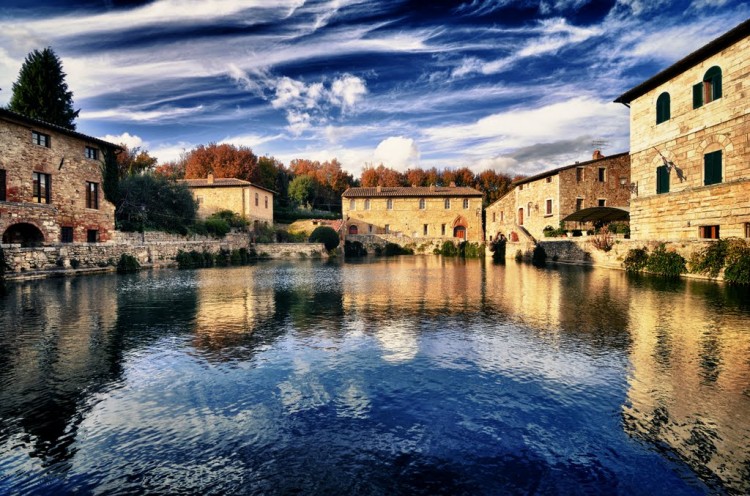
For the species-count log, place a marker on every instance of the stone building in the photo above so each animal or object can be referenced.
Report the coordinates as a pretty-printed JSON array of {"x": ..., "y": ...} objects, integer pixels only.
[
  {"x": 51, "y": 184},
  {"x": 690, "y": 154},
  {"x": 416, "y": 212},
  {"x": 253, "y": 202},
  {"x": 546, "y": 199}
]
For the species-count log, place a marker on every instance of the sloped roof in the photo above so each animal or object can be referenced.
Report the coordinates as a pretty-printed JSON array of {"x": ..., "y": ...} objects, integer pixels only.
[
  {"x": 14, "y": 116},
  {"x": 417, "y": 191},
  {"x": 222, "y": 182},
  {"x": 552, "y": 172},
  {"x": 727, "y": 39}
]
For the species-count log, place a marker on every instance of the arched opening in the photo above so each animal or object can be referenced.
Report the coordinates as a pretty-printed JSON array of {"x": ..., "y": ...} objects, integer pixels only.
[
  {"x": 520, "y": 216},
  {"x": 353, "y": 229},
  {"x": 514, "y": 237},
  {"x": 459, "y": 232},
  {"x": 23, "y": 234}
]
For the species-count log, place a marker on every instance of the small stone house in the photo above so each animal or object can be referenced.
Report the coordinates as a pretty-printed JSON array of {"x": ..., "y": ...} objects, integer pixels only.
[
  {"x": 249, "y": 200},
  {"x": 546, "y": 199},
  {"x": 51, "y": 184},
  {"x": 435, "y": 212},
  {"x": 690, "y": 154}
]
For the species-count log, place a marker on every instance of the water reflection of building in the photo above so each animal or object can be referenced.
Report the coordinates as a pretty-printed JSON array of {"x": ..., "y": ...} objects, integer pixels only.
[{"x": 690, "y": 380}]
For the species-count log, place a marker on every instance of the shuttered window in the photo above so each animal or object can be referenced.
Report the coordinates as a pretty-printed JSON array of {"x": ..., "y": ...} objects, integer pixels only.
[
  {"x": 2, "y": 185},
  {"x": 662, "y": 108},
  {"x": 709, "y": 89},
  {"x": 712, "y": 173},
  {"x": 662, "y": 180}
]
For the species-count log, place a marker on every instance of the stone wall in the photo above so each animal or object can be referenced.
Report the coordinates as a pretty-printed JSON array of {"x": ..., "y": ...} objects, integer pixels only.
[
  {"x": 420, "y": 246},
  {"x": 684, "y": 139},
  {"x": 66, "y": 163}
]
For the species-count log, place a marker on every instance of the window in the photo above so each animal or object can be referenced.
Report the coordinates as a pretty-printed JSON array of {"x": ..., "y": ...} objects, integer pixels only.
[
  {"x": 387, "y": 229},
  {"x": 602, "y": 175},
  {"x": 579, "y": 174},
  {"x": 493, "y": 216},
  {"x": 256, "y": 199},
  {"x": 548, "y": 179},
  {"x": 199, "y": 200},
  {"x": 421, "y": 204},
  {"x": 389, "y": 204},
  {"x": 579, "y": 204},
  {"x": 424, "y": 230},
  {"x": 369, "y": 228},
  {"x": 447, "y": 203},
  {"x": 92, "y": 236},
  {"x": 352, "y": 204},
  {"x": 466, "y": 203},
  {"x": 662, "y": 179},
  {"x": 520, "y": 187},
  {"x": 367, "y": 204},
  {"x": 265, "y": 199},
  {"x": 442, "y": 229},
  {"x": 747, "y": 229},
  {"x": 712, "y": 168},
  {"x": 601, "y": 202},
  {"x": 66, "y": 234},
  {"x": 42, "y": 187},
  {"x": 502, "y": 216},
  {"x": 548, "y": 207},
  {"x": 40, "y": 139},
  {"x": 708, "y": 232},
  {"x": 528, "y": 209},
  {"x": 2, "y": 185},
  {"x": 662, "y": 108},
  {"x": 709, "y": 89},
  {"x": 92, "y": 195},
  {"x": 92, "y": 153}
]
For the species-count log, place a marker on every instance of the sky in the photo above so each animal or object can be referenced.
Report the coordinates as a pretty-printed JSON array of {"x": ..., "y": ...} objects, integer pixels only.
[{"x": 517, "y": 86}]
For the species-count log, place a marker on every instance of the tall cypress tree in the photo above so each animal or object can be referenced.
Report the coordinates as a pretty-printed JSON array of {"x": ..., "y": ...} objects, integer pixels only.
[{"x": 41, "y": 91}]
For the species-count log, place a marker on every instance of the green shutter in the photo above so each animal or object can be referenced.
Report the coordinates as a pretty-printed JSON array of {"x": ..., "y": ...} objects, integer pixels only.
[
  {"x": 712, "y": 168},
  {"x": 716, "y": 86},
  {"x": 662, "y": 179},
  {"x": 697, "y": 95}
]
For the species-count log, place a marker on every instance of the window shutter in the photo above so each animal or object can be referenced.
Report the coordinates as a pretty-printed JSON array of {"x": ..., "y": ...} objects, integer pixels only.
[
  {"x": 716, "y": 86},
  {"x": 662, "y": 179},
  {"x": 697, "y": 95},
  {"x": 49, "y": 188},
  {"x": 712, "y": 168}
]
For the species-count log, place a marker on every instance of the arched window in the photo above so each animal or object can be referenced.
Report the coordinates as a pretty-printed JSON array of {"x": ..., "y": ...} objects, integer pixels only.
[
  {"x": 389, "y": 204},
  {"x": 447, "y": 203},
  {"x": 421, "y": 204},
  {"x": 709, "y": 89},
  {"x": 662, "y": 108},
  {"x": 256, "y": 199},
  {"x": 353, "y": 229}
]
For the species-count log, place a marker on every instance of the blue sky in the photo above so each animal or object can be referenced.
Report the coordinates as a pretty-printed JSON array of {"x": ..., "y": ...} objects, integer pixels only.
[{"x": 516, "y": 86}]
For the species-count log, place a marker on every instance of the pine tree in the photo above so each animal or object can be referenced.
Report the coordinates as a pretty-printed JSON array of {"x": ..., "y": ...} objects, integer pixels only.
[{"x": 41, "y": 91}]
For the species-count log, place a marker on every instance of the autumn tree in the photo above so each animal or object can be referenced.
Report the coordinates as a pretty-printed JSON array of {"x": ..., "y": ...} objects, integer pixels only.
[
  {"x": 223, "y": 160},
  {"x": 134, "y": 161},
  {"x": 381, "y": 176},
  {"x": 416, "y": 177},
  {"x": 493, "y": 185},
  {"x": 41, "y": 92}
]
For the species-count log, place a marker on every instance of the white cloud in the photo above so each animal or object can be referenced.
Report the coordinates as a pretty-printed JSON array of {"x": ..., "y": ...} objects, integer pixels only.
[
  {"x": 299, "y": 122},
  {"x": 168, "y": 152},
  {"x": 127, "y": 139},
  {"x": 125, "y": 114},
  {"x": 397, "y": 152},
  {"x": 250, "y": 140},
  {"x": 347, "y": 91}
]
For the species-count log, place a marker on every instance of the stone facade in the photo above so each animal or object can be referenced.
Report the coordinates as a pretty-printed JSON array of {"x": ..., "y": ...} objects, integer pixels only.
[
  {"x": 71, "y": 163},
  {"x": 447, "y": 213},
  {"x": 688, "y": 208},
  {"x": 253, "y": 202},
  {"x": 546, "y": 199}
]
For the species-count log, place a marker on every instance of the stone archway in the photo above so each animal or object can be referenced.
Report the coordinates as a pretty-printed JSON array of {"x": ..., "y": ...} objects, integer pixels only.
[
  {"x": 460, "y": 227},
  {"x": 24, "y": 234},
  {"x": 353, "y": 229}
]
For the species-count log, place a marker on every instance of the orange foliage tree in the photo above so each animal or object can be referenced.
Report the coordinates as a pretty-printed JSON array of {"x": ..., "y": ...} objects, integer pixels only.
[
  {"x": 381, "y": 176},
  {"x": 223, "y": 160}
]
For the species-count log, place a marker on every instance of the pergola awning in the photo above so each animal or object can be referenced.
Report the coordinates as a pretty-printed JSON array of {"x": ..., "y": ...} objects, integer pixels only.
[{"x": 599, "y": 214}]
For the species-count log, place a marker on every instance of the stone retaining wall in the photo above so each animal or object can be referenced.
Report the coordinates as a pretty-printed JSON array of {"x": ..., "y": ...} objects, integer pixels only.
[{"x": 421, "y": 246}]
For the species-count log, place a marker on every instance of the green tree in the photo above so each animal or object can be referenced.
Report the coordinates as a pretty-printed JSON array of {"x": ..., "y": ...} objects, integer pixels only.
[
  {"x": 326, "y": 235},
  {"x": 152, "y": 202},
  {"x": 41, "y": 91},
  {"x": 302, "y": 190}
]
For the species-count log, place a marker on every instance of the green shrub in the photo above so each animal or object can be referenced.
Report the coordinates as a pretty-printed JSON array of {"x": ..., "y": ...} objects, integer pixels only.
[
  {"x": 519, "y": 256},
  {"x": 235, "y": 258},
  {"x": 284, "y": 236},
  {"x": 127, "y": 264},
  {"x": 75, "y": 263},
  {"x": 665, "y": 263},
  {"x": 448, "y": 249},
  {"x": 470, "y": 250},
  {"x": 737, "y": 269},
  {"x": 326, "y": 235},
  {"x": 264, "y": 233},
  {"x": 635, "y": 260},
  {"x": 710, "y": 260},
  {"x": 539, "y": 256},
  {"x": 354, "y": 249},
  {"x": 217, "y": 227},
  {"x": 148, "y": 202},
  {"x": 392, "y": 249},
  {"x": 234, "y": 219},
  {"x": 497, "y": 247}
]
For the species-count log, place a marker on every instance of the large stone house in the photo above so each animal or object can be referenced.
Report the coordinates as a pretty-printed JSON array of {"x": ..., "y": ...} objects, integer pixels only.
[
  {"x": 690, "y": 154},
  {"x": 51, "y": 184},
  {"x": 546, "y": 199},
  {"x": 249, "y": 200},
  {"x": 416, "y": 212}
]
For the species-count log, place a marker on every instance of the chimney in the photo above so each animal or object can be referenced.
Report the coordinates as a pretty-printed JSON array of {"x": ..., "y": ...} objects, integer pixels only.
[
  {"x": 453, "y": 184},
  {"x": 210, "y": 178},
  {"x": 432, "y": 187},
  {"x": 379, "y": 188},
  {"x": 597, "y": 155},
  {"x": 413, "y": 185}
]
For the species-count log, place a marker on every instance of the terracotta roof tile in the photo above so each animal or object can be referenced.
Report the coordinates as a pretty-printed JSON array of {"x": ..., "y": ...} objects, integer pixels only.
[
  {"x": 221, "y": 182},
  {"x": 410, "y": 192}
]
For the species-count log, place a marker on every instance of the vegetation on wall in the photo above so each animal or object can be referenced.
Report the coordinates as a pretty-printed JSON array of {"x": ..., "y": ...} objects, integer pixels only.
[
  {"x": 127, "y": 264},
  {"x": 354, "y": 249},
  {"x": 463, "y": 249},
  {"x": 731, "y": 255},
  {"x": 326, "y": 235},
  {"x": 195, "y": 259},
  {"x": 661, "y": 262},
  {"x": 539, "y": 256},
  {"x": 497, "y": 248}
]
